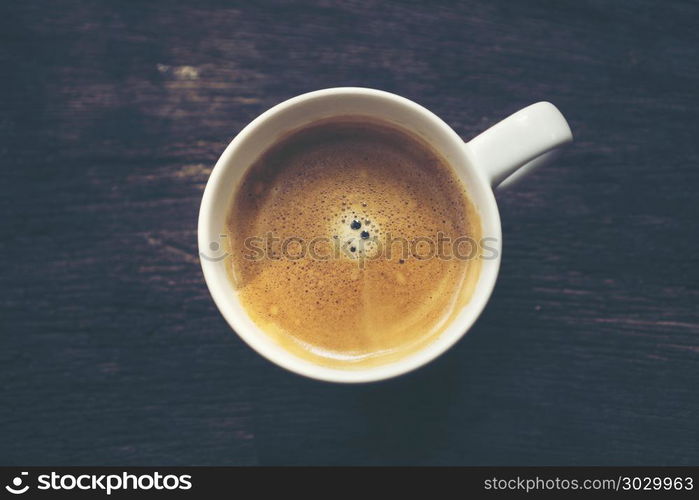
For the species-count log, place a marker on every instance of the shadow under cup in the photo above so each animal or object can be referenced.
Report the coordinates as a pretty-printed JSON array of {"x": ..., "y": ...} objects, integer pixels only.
[{"x": 304, "y": 110}]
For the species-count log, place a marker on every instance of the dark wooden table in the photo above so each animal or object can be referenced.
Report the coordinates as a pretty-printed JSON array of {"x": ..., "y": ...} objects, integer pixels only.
[{"x": 111, "y": 350}]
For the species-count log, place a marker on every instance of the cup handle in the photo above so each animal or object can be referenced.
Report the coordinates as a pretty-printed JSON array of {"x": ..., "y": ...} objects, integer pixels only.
[{"x": 523, "y": 139}]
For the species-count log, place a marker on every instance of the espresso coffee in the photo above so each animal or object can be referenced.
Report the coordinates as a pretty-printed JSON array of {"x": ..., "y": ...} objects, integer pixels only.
[{"x": 352, "y": 242}]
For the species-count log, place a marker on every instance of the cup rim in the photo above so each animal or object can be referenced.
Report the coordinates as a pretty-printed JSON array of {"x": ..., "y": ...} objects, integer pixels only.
[{"x": 307, "y": 368}]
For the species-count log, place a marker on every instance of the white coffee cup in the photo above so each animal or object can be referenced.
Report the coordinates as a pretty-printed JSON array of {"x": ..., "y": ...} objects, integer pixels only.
[{"x": 522, "y": 139}]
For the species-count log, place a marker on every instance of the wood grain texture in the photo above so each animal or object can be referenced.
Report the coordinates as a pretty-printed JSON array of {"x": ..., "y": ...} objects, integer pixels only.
[{"x": 111, "y": 117}]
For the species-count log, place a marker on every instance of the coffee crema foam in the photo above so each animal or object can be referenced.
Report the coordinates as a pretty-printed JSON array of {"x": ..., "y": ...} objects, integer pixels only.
[{"x": 361, "y": 306}]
